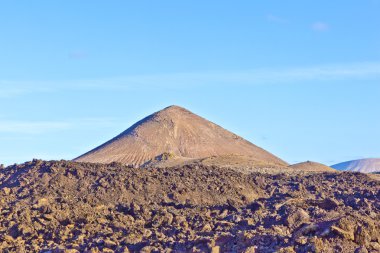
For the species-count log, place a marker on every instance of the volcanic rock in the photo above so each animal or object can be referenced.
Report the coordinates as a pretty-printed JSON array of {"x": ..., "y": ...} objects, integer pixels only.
[{"x": 214, "y": 208}]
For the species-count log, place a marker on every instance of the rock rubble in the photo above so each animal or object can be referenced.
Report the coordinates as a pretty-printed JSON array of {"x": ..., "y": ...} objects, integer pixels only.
[{"x": 63, "y": 206}]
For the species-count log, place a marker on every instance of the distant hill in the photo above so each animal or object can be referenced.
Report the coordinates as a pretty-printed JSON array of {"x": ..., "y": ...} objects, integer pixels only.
[
  {"x": 177, "y": 134},
  {"x": 362, "y": 165},
  {"x": 311, "y": 166}
]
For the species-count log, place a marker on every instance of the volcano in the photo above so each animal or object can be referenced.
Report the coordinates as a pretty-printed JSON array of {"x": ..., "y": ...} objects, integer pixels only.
[
  {"x": 177, "y": 134},
  {"x": 311, "y": 166}
]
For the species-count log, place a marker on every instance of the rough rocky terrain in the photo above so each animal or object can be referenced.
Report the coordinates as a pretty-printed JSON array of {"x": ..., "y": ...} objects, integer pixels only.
[
  {"x": 241, "y": 163},
  {"x": 179, "y": 134},
  {"x": 62, "y": 206}
]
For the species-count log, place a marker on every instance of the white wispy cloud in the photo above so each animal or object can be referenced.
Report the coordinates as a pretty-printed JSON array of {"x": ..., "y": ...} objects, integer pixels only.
[
  {"x": 279, "y": 76},
  {"x": 320, "y": 26},
  {"x": 16, "y": 88},
  {"x": 42, "y": 127},
  {"x": 11, "y": 159},
  {"x": 77, "y": 55},
  {"x": 31, "y": 127},
  {"x": 6, "y": 91},
  {"x": 276, "y": 19}
]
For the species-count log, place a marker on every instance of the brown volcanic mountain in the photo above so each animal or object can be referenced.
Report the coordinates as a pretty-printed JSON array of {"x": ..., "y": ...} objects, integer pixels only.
[
  {"x": 174, "y": 133},
  {"x": 311, "y": 166}
]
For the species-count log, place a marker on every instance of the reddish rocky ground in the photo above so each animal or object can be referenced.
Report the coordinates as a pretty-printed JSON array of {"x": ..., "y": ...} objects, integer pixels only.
[{"x": 63, "y": 206}]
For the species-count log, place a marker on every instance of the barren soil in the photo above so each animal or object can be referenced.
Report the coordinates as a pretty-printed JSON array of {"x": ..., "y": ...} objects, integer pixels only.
[{"x": 62, "y": 206}]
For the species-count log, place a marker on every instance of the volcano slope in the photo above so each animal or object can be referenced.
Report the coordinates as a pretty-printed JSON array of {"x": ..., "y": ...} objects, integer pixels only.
[
  {"x": 64, "y": 206},
  {"x": 178, "y": 134}
]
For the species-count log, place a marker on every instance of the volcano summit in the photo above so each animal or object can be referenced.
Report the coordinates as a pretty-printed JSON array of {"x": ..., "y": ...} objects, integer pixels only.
[{"x": 178, "y": 134}]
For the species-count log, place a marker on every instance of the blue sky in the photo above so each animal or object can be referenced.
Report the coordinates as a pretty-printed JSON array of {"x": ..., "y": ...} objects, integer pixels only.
[{"x": 298, "y": 78}]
